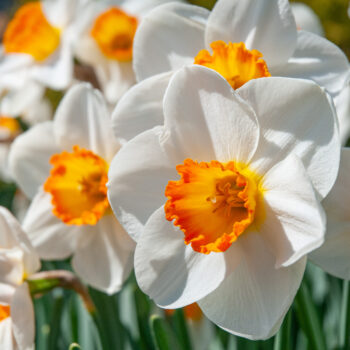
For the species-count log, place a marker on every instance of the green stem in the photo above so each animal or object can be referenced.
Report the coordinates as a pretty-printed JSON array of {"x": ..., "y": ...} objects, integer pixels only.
[
  {"x": 308, "y": 319},
  {"x": 345, "y": 318}
]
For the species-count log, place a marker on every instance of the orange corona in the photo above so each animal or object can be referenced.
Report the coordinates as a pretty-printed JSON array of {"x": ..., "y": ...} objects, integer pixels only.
[
  {"x": 234, "y": 62},
  {"x": 213, "y": 203},
  {"x": 114, "y": 32},
  {"x": 29, "y": 32},
  {"x": 77, "y": 184},
  {"x": 4, "y": 312}
]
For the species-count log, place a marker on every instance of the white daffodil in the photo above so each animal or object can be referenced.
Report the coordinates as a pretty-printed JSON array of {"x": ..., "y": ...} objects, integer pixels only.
[
  {"x": 242, "y": 40},
  {"x": 107, "y": 30},
  {"x": 334, "y": 256},
  {"x": 63, "y": 164},
  {"x": 17, "y": 261},
  {"x": 253, "y": 165},
  {"x": 30, "y": 104},
  {"x": 37, "y": 44},
  {"x": 306, "y": 18}
]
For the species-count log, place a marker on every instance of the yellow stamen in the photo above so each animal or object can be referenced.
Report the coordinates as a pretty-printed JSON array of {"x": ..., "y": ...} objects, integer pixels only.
[
  {"x": 77, "y": 184},
  {"x": 9, "y": 127},
  {"x": 234, "y": 62},
  {"x": 114, "y": 32},
  {"x": 29, "y": 32},
  {"x": 213, "y": 203}
]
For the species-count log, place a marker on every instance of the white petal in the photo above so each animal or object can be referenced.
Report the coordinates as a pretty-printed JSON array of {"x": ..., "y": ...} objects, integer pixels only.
[
  {"x": 6, "y": 293},
  {"x": 295, "y": 116},
  {"x": 265, "y": 25},
  {"x": 206, "y": 119},
  {"x": 334, "y": 256},
  {"x": 306, "y": 18},
  {"x": 253, "y": 300},
  {"x": 173, "y": 274},
  {"x": 22, "y": 315},
  {"x": 82, "y": 119},
  {"x": 141, "y": 108},
  {"x": 12, "y": 236},
  {"x": 60, "y": 12},
  {"x": 294, "y": 222},
  {"x": 51, "y": 238},
  {"x": 138, "y": 176},
  {"x": 11, "y": 266},
  {"x": 104, "y": 256},
  {"x": 115, "y": 78},
  {"x": 57, "y": 71},
  {"x": 317, "y": 59},
  {"x": 29, "y": 158},
  {"x": 7, "y": 341},
  {"x": 170, "y": 35},
  {"x": 140, "y": 8},
  {"x": 342, "y": 105}
]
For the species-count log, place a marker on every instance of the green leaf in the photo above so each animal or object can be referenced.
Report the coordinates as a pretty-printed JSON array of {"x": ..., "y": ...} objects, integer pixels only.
[
  {"x": 74, "y": 346},
  {"x": 159, "y": 333},
  {"x": 180, "y": 327},
  {"x": 308, "y": 319},
  {"x": 344, "y": 336}
]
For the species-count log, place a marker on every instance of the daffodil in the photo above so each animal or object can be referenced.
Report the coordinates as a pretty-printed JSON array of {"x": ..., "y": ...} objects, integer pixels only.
[
  {"x": 241, "y": 40},
  {"x": 223, "y": 200},
  {"x": 37, "y": 44},
  {"x": 105, "y": 41},
  {"x": 63, "y": 165},
  {"x": 18, "y": 260}
]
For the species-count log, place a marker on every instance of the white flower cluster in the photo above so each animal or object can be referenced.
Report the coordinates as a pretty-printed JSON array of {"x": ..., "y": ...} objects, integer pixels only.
[{"x": 218, "y": 173}]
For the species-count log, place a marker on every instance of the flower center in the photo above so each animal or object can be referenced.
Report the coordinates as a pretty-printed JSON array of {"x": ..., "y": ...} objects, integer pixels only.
[
  {"x": 29, "y": 32},
  {"x": 234, "y": 62},
  {"x": 77, "y": 184},
  {"x": 9, "y": 128},
  {"x": 213, "y": 203},
  {"x": 4, "y": 312},
  {"x": 114, "y": 32}
]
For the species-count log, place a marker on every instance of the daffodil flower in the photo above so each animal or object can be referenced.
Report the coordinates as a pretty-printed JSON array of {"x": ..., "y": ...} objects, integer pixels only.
[
  {"x": 63, "y": 164},
  {"x": 37, "y": 44},
  {"x": 105, "y": 41},
  {"x": 18, "y": 260},
  {"x": 223, "y": 200},
  {"x": 242, "y": 40}
]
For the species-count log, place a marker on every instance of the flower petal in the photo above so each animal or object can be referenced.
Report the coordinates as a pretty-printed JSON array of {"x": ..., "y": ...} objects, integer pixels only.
[
  {"x": 294, "y": 222},
  {"x": 171, "y": 273},
  {"x": 51, "y": 238},
  {"x": 141, "y": 108},
  {"x": 115, "y": 79},
  {"x": 266, "y": 25},
  {"x": 138, "y": 176},
  {"x": 306, "y": 18},
  {"x": 206, "y": 119},
  {"x": 82, "y": 119},
  {"x": 22, "y": 314},
  {"x": 317, "y": 59},
  {"x": 253, "y": 300},
  {"x": 171, "y": 35},
  {"x": 12, "y": 236},
  {"x": 342, "y": 105},
  {"x": 334, "y": 256},
  {"x": 56, "y": 72},
  {"x": 104, "y": 256},
  {"x": 308, "y": 129},
  {"x": 29, "y": 158},
  {"x": 7, "y": 340}
]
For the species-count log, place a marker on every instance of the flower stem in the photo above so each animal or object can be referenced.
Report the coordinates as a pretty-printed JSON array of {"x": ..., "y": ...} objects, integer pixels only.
[{"x": 345, "y": 318}]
